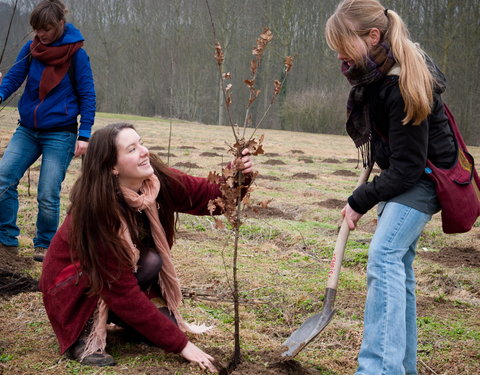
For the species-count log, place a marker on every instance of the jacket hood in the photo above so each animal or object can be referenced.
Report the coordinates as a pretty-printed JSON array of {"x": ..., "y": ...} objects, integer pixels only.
[
  {"x": 70, "y": 35},
  {"x": 440, "y": 82}
]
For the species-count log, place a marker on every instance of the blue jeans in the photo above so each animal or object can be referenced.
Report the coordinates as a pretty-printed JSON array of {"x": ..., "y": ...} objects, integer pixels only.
[
  {"x": 389, "y": 345},
  {"x": 25, "y": 147}
]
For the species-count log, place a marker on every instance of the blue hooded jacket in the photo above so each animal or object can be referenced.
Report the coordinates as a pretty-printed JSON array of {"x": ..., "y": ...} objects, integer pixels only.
[{"x": 63, "y": 103}]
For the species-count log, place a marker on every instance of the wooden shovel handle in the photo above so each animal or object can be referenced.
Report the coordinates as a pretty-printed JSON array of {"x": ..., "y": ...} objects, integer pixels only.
[{"x": 336, "y": 262}]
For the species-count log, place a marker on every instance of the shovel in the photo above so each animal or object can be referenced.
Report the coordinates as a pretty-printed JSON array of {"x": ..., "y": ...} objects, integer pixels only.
[{"x": 315, "y": 324}]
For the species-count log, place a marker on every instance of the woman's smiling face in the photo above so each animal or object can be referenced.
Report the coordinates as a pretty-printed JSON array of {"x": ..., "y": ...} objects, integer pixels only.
[{"x": 133, "y": 160}]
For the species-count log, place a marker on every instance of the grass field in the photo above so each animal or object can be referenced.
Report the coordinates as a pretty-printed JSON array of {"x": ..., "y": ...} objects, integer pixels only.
[{"x": 284, "y": 259}]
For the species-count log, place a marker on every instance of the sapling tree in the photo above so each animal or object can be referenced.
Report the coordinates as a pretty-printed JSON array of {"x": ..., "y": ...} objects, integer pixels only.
[{"x": 232, "y": 181}]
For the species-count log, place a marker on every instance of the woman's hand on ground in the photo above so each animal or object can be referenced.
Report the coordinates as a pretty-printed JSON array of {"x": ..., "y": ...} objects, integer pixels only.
[
  {"x": 247, "y": 161},
  {"x": 351, "y": 216},
  {"x": 194, "y": 354},
  {"x": 80, "y": 148}
]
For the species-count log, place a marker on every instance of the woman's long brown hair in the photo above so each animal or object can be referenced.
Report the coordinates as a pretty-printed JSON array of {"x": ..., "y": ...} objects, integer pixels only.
[{"x": 97, "y": 207}]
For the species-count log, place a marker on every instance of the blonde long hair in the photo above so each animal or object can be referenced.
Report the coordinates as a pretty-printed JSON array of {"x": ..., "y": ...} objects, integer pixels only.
[{"x": 355, "y": 18}]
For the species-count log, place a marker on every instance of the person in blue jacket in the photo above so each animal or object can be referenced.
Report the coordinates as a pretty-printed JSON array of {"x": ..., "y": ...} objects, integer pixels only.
[{"x": 59, "y": 88}]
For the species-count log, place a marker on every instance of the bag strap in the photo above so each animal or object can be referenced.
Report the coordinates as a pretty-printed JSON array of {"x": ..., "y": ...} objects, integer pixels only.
[{"x": 454, "y": 127}]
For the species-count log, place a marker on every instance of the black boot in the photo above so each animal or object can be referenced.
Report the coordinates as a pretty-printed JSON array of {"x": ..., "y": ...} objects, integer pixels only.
[
  {"x": 96, "y": 359},
  {"x": 39, "y": 254}
]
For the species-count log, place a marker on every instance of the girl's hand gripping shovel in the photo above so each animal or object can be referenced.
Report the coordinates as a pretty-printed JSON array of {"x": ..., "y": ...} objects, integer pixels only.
[{"x": 315, "y": 324}]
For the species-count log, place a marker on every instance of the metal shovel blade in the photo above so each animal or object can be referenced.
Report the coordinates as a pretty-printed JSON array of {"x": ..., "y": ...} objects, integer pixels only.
[{"x": 311, "y": 328}]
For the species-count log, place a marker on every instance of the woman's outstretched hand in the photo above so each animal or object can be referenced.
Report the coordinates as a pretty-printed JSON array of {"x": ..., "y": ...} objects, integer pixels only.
[
  {"x": 194, "y": 354},
  {"x": 247, "y": 161},
  {"x": 351, "y": 216}
]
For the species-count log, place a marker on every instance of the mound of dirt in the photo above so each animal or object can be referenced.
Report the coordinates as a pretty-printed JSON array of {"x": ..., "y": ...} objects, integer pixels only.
[
  {"x": 332, "y": 161},
  {"x": 187, "y": 148},
  {"x": 267, "y": 177},
  {"x": 454, "y": 256},
  {"x": 156, "y": 148},
  {"x": 166, "y": 154},
  {"x": 186, "y": 165},
  {"x": 271, "y": 154},
  {"x": 274, "y": 162},
  {"x": 209, "y": 154},
  {"x": 268, "y": 363},
  {"x": 13, "y": 283},
  {"x": 13, "y": 278},
  {"x": 267, "y": 212},
  {"x": 304, "y": 176},
  {"x": 13, "y": 262},
  {"x": 219, "y": 148},
  {"x": 344, "y": 172},
  {"x": 332, "y": 203},
  {"x": 296, "y": 151},
  {"x": 351, "y": 161},
  {"x": 306, "y": 160}
]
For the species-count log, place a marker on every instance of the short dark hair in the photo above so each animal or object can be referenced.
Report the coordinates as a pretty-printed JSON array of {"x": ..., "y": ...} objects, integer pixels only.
[{"x": 48, "y": 12}]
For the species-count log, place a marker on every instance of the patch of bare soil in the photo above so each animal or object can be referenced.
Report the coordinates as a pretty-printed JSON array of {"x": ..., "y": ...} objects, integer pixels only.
[
  {"x": 304, "y": 176},
  {"x": 166, "y": 154},
  {"x": 351, "y": 161},
  {"x": 156, "y": 148},
  {"x": 274, "y": 162},
  {"x": 187, "y": 148},
  {"x": 267, "y": 212},
  {"x": 271, "y": 154},
  {"x": 332, "y": 161},
  {"x": 454, "y": 256},
  {"x": 13, "y": 283},
  {"x": 186, "y": 165},
  {"x": 332, "y": 203},
  {"x": 12, "y": 277},
  {"x": 14, "y": 262},
  {"x": 267, "y": 363},
  {"x": 219, "y": 148},
  {"x": 306, "y": 160},
  {"x": 209, "y": 154},
  {"x": 192, "y": 235},
  {"x": 267, "y": 177},
  {"x": 296, "y": 151},
  {"x": 344, "y": 172}
]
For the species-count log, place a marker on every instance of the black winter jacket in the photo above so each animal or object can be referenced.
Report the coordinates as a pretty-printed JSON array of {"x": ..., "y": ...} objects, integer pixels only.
[{"x": 401, "y": 151}]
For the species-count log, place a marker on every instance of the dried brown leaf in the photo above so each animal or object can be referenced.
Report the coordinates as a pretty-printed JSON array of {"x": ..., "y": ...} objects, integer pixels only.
[
  {"x": 213, "y": 177},
  {"x": 259, "y": 151},
  {"x": 219, "y": 224},
  {"x": 265, "y": 203},
  {"x": 253, "y": 66},
  {"x": 219, "y": 55},
  {"x": 277, "y": 86},
  {"x": 211, "y": 206},
  {"x": 250, "y": 82},
  {"x": 288, "y": 63}
]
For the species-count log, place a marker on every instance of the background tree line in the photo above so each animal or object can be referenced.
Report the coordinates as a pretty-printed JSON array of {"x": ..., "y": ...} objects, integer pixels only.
[{"x": 155, "y": 57}]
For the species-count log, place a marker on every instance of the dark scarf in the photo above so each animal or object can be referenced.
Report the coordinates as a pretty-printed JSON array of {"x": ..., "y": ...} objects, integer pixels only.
[
  {"x": 378, "y": 63},
  {"x": 57, "y": 60}
]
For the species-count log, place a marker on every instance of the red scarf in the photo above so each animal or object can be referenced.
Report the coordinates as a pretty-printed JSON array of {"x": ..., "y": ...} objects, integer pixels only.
[{"x": 57, "y": 60}]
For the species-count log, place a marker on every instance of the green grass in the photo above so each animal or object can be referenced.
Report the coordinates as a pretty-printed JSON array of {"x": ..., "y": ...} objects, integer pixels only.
[{"x": 284, "y": 258}]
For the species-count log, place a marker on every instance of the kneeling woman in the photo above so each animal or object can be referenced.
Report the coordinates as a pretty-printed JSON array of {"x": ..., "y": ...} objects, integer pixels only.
[{"x": 110, "y": 260}]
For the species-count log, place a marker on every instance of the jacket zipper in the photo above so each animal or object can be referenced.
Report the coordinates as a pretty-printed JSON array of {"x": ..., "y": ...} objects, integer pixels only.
[{"x": 35, "y": 115}]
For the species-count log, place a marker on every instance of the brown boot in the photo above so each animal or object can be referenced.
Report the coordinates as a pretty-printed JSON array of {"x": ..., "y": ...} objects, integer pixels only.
[{"x": 96, "y": 359}]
